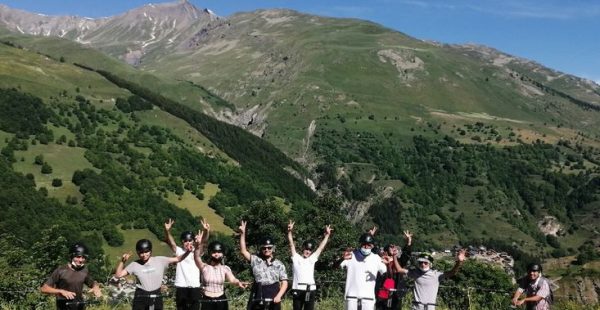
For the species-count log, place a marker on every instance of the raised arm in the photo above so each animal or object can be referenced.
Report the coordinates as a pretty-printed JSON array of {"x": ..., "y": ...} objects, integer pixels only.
[
  {"x": 168, "y": 237},
  {"x": 198, "y": 250},
  {"x": 243, "y": 248},
  {"x": 407, "y": 250},
  {"x": 346, "y": 255},
  {"x": 290, "y": 227},
  {"x": 206, "y": 234},
  {"x": 460, "y": 259},
  {"x": 389, "y": 259},
  {"x": 188, "y": 248},
  {"x": 326, "y": 235},
  {"x": 397, "y": 265},
  {"x": 121, "y": 272},
  {"x": 372, "y": 231}
]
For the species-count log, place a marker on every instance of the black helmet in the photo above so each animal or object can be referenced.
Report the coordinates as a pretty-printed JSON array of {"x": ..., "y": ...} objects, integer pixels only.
[
  {"x": 534, "y": 267},
  {"x": 366, "y": 238},
  {"x": 308, "y": 245},
  {"x": 187, "y": 235},
  {"x": 143, "y": 245},
  {"x": 266, "y": 241},
  {"x": 215, "y": 246},
  {"x": 78, "y": 249}
]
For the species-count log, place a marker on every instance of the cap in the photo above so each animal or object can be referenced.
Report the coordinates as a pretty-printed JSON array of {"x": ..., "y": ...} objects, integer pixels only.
[{"x": 425, "y": 257}]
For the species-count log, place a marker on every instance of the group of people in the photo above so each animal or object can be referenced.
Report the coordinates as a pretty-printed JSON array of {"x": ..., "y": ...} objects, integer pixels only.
[{"x": 375, "y": 278}]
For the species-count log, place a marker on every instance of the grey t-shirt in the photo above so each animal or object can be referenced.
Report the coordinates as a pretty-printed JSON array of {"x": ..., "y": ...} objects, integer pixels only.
[
  {"x": 149, "y": 275},
  {"x": 426, "y": 285}
]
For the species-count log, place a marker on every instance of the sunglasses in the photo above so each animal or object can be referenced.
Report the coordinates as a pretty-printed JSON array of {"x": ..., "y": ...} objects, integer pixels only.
[
  {"x": 266, "y": 248},
  {"x": 424, "y": 263}
]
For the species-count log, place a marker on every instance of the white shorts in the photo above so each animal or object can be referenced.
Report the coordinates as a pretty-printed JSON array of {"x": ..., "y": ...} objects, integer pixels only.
[{"x": 352, "y": 304}]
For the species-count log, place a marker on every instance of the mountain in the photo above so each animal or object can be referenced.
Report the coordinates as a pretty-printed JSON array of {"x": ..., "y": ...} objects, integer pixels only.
[
  {"x": 131, "y": 35},
  {"x": 287, "y": 73},
  {"x": 458, "y": 143}
]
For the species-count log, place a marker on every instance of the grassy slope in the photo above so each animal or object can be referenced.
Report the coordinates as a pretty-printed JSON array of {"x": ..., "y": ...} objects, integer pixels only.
[
  {"x": 76, "y": 53},
  {"x": 200, "y": 208},
  {"x": 46, "y": 77},
  {"x": 310, "y": 68}
]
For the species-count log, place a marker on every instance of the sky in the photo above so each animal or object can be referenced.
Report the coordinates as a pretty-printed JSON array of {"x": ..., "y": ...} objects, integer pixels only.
[{"x": 561, "y": 34}]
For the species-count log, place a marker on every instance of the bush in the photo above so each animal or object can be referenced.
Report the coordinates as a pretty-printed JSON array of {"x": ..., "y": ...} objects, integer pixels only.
[
  {"x": 57, "y": 182},
  {"x": 46, "y": 168},
  {"x": 39, "y": 160}
]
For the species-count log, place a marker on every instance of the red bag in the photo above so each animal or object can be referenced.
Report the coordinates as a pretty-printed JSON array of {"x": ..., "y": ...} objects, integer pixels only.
[{"x": 387, "y": 284}]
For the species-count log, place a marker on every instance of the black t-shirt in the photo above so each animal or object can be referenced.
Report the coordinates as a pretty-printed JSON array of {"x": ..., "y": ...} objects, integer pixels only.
[{"x": 65, "y": 278}]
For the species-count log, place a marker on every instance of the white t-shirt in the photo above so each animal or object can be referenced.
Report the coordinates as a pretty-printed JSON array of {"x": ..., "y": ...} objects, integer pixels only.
[
  {"x": 362, "y": 273},
  {"x": 187, "y": 273},
  {"x": 304, "y": 271}
]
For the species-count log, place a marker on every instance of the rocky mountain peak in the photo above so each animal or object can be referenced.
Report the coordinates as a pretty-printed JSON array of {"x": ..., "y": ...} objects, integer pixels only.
[{"x": 180, "y": 10}]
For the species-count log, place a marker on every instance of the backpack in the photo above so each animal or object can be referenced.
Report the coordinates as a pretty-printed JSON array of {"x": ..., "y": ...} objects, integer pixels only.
[{"x": 387, "y": 284}]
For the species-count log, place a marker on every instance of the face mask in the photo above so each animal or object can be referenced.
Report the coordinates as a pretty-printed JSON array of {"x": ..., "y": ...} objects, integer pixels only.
[
  {"x": 365, "y": 252},
  {"x": 217, "y": 259},
  {"x": 423, "y": 268}
]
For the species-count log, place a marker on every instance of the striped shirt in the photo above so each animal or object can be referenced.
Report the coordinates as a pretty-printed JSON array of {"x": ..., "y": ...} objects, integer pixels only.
[{"x": 213, "y": 277}]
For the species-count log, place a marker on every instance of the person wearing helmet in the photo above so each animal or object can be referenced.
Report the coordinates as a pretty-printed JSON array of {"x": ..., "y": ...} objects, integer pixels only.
[
  {"x": 149, "y": 271},
  {"x": 214, "y": 274},
  {"x": 538, "y": 295},
  {"x": 187, "y": 275},
  {"x": 362, "y": 267},
  {"x": 270, "y": 277},
  {"x": 303, "y": 284},
  {"x": 66, "y": 281},
  {"x": 392, "y": 286},
  {"x": 427, "y": 280}
]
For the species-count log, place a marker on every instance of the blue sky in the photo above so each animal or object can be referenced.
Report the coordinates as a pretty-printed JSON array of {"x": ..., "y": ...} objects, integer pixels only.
[{"x": 563, "y": 35}]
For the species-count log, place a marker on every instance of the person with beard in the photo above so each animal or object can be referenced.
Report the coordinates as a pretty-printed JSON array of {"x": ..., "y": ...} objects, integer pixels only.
[
  {"x": 362, "y": 269},
  {"x": 427, "y": 280},
  {"x": 303, "y": 285},
  {"x": 149, "y": 271},
  {"x": 214, "y": 273},
  {"x": 66, "y": 281},
  {"x": 187, "y": 275},
  {"x": 270, "y": 277},
  {"x": 538, "y": 295}
]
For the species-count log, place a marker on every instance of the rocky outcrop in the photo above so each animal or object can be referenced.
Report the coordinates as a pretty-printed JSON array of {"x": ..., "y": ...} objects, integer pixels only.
[{"x": 550, "y": 225}]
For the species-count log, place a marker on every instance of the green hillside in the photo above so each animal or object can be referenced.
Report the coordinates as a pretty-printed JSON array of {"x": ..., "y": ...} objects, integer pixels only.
[
  {"x": 459, "y": 144},
  {"x": 84, "y": 149},
  {"x": 301, "y": 68}
]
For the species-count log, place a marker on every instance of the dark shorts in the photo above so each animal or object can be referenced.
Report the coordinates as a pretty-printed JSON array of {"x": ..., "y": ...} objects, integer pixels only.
[
  {"x": 188, "y": 298},
  {"x": 142, "y": 300},
  {"x": 64, "y": 304},
  {"x": 260, "y": 293},
  {"x": 215, "y": 303}
]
